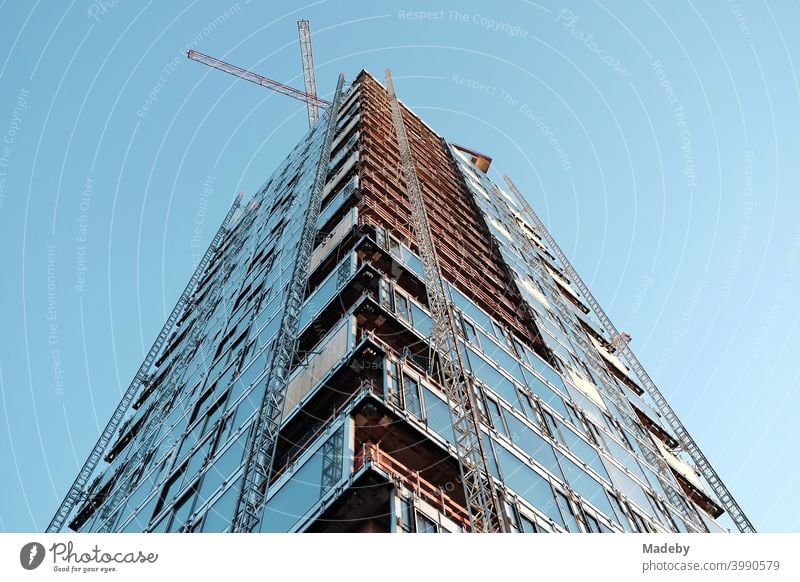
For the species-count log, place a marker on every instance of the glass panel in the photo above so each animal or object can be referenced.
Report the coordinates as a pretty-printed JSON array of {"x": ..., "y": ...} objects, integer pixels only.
[
  {"x": 402, "y": 306},
  {"x": 583, "y": 450},
  {"x": 533, "y": 444},
  {"x": 220, "y": 515},
  {"x": 411, "y": 393},
  {"x": 422, "y": 321},
  {"x": 566, "y": 511},
  {"x": 487, "y": 446},
  {"x": 425, "y": 524},
  {"x": 295, "y": 498},
  {"x": 438, "y": 415},
  {"x": 487, "y": 373},
  {"x": 547, "y": 394},
  {"x": 527, "y": 525},
  {"x": 587, "y": 486},
  {"x": 497, "y": 417},
  {"x": 529, "y": 484}
]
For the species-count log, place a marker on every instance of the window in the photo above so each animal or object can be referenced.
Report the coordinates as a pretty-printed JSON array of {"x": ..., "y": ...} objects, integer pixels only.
[
  {"x": 566, "y": 511},
  {"x": 547, "y": 394},
  {"x": 437, "y": 415},
  {"x": 469, "y": 332},
  {"x": 406, "y": 521},
  {"x": 423, "y": 323},
  {"x": 639, "y": 523},
  {"x": 411, "y": 396},
  {"x": 533, "y": 444},
  {"x": 622, "y": 517},
  {"x": 392, "y": 383},
  {"x": 487, "y": 373},
  {"x": 489, "y": 449},
  {"x": 526, "y": 524},
  {"x": 529, "y": 485},
  {"x": 220, "y": 515},
  {"x": 402, "y": 306},
  {"x": 497, "y": 417},
  {"x": 587, "y": 486},
  {"x": 527, "y": 406},
  {"x": 425, "y": 524},
  {"x": 592, "y": 524},
  {"x": 295, "y": 497}
]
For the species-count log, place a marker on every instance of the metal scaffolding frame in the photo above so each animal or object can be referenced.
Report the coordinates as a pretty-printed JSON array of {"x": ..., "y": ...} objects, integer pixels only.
[
  {"x": 261, "y": 451},
  {"x": 655, "y": 460},
  {"x": 684, "y": 438},
  {"x": 78, "y": 488},
  {"x": 483, "y": 502}
]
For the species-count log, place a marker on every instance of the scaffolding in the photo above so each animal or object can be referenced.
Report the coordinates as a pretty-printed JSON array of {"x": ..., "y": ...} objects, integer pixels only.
[
  {"x": 621, "y": 342},
  {"x": 261, "y": 451},
  {"x": 482, "y": 499},
  {"x": 77, "y": 490}
]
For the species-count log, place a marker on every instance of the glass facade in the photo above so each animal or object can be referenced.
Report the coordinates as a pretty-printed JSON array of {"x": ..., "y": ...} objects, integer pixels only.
[{"x": 366, "y": 441}]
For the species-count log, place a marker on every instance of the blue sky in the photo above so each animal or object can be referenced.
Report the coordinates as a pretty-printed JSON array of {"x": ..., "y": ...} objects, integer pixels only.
[{"x": 659, "y": 141}]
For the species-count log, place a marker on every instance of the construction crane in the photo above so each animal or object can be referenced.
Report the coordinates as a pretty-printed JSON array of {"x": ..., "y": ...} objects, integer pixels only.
[
  {"x": 620, "y": 341},
  {"x": 310, "y": 98},
  {"x": 307, "y": 60},
  {"x": 483, "y": 502},
  {"x": 78, "y": 488}
]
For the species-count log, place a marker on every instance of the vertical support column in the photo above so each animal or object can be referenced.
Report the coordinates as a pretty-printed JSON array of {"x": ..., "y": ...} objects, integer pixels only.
[
  {"x": 479, "y": 489},
  {"x": 261, "y": 451}
]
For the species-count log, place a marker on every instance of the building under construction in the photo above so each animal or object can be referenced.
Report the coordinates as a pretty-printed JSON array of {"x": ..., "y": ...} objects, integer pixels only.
[{"x": 382, "y": 339}]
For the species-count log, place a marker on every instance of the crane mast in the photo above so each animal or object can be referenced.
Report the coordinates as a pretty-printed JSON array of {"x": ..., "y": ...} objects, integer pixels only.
[{"x": 307, "y": 59}]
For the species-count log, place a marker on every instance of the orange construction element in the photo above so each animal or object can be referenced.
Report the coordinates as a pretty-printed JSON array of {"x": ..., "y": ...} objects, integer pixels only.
[{"x": 412, "y": 480}]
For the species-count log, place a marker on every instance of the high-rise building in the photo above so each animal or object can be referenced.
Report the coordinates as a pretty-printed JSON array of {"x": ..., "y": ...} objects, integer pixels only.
[{"x": 383, "y": 339}]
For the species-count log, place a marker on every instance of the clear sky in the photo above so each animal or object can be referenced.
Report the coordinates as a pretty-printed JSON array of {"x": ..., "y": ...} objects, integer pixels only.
[{"x": 658, "y": 140}]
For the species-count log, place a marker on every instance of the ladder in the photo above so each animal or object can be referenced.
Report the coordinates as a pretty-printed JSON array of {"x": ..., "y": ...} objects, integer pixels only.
[
  {"x": 261, "y": 450},
  {"x": 77, "y": 489},
  {"x": 655, "y": 460},
  {"x": 687, "y": 442},
  {"x": 482, "y": 499}
]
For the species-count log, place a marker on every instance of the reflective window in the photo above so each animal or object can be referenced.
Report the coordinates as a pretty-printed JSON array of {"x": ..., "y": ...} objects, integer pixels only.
[
  {"x": 529, "y": 484},
  {"x": 566, "y": 511},
  {"x": 487, "y": 373},
  {"x": 547, "y": 394},
  {"x": 497, "y": 417},
  {"x": 437, "y": 415},
  {"x": 425, "y": 524},
  {"x": 411, "y": 395},
  {"x": 295, "y": 497},
  {"x": 587, "y": 486},
  {"x": 220, "y": 515},
  {"x": 401, "y": 304},
  {"x": 533, "y": 444}
]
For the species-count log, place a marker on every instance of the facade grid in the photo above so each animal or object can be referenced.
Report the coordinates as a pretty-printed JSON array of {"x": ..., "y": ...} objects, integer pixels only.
[{"x": 365, "y": 440}]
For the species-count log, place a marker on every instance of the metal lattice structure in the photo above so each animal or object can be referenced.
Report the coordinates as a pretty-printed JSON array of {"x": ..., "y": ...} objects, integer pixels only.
[
  {"x": 78, "y": 488},
  {"x": 653, "y": 458},
  {"x": 684, "y": 438},
  {"x": 261, "y": 451},
  {"x": 257, "y": 79},
  {"x": 163, "y": 399},
  {"x": 481, "y": 496},
  {"x": 307, "y": 59}
]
